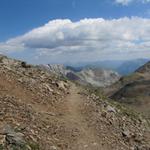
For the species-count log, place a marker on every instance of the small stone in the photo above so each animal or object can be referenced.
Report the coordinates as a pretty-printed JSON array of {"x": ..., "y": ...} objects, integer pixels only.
[
  {"x": 85, "y": 146},
  {"x": 94, "y": 144},
  {"x": 51, "y": 113},
  {"x": 53, "y": 148},
  {"x": 126, "y": 133},
  {"x": 62, "y": 85},
  {"x": 111, "y": 109},
  {"x": 20, "y": 80},
  {"x": 104, "y": 114},
  {"x": 2, "y": 139},
  {"x": 48, "y": 88}
]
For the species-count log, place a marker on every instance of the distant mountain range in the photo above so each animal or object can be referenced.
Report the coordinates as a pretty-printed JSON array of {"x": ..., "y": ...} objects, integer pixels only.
[
  {"x": 130, "y": 66},
  {"x": 123, "y": 67},
  {"x": 99, "y": 74},
  {"x": 89, "y": 75}
]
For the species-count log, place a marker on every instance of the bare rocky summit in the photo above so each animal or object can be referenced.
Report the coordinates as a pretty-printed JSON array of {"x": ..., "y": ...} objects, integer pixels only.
[{"x": 41, "y": 111}]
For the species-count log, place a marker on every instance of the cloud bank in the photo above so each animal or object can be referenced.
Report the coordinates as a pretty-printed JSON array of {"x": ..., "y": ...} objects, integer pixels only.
[
  {"x": 126, "y": 2},
  {"x": 85, "y": 40}
]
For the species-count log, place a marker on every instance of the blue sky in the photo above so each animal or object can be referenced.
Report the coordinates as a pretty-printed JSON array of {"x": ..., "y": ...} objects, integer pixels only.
[{"x": 21, "y": 17}]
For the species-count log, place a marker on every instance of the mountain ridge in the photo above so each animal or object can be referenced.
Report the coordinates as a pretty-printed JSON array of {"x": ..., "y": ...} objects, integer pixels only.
[
  {"x": 90, "y": 75},
  {"x": 41, "y": 111}
]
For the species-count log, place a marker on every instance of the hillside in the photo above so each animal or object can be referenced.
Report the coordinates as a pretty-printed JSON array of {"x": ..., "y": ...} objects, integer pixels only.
[
  {"x": 40, "y": 111},
  {"x": 133, "y": 90}
]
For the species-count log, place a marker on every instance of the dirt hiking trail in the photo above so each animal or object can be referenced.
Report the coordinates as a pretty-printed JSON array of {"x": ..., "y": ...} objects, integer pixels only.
[{"x": 87, "y": 139}]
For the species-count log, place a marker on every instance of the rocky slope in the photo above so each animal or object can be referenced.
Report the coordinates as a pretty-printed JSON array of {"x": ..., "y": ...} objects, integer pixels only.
[
  {"x": 39, "y": 111},
  {"x": 134, "y": 90},
  {"x": 29, "y": 97},
  {"x": 92, "y": 76}
]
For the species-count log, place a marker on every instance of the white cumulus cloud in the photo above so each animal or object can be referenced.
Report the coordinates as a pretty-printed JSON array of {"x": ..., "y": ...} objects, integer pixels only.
[
  {"x": 123, "y": 2},
  {"x": 126, "y": 2},
  {"x": 87, "y": 39}
]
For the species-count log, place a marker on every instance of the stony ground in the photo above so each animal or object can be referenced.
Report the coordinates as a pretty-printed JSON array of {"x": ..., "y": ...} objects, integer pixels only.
[{"x": 39, "y": 111}]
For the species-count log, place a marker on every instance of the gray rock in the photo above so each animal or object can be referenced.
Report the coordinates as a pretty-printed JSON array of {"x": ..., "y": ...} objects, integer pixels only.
[
  {"x": 13, "y": 137},
  {"x": 62, "y": 85},
  {"x": 126, "y": 133},
  {"x": 111, "y": 109},
  {"x": 53, "y": 148}
]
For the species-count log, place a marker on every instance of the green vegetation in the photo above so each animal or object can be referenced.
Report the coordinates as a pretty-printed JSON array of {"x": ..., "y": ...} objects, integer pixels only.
[
  {"x": 34, "y": 146},
  {"x": 1, "y": 147}
]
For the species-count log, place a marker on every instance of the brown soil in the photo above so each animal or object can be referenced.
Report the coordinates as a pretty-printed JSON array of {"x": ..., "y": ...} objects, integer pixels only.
[{"x": 87, "y": 138}]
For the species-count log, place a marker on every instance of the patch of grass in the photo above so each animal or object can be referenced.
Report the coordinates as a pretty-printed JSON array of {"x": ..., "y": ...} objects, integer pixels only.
[
  {"x": 131, "y": 77},
  {"x": 34, "y": 146},
  {"x": 23, "y": 147},
  {"x": 1, "y": 147}
]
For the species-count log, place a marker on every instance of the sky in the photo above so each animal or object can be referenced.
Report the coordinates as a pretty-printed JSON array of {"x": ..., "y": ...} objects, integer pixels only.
[{"x": 59, "y": 31}]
